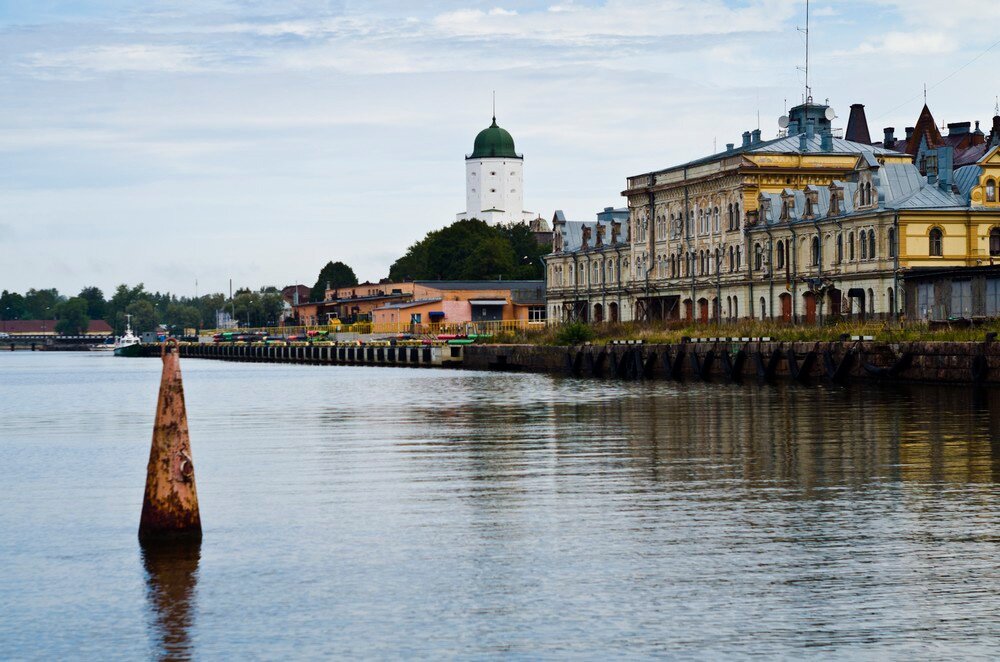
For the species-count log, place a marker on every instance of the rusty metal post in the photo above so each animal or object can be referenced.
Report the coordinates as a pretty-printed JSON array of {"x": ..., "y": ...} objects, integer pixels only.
[{"x": 170, "y": 505}]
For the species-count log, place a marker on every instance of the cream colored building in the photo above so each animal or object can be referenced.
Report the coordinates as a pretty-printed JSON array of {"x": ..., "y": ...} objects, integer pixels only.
[{"x": 799, "y": 228}]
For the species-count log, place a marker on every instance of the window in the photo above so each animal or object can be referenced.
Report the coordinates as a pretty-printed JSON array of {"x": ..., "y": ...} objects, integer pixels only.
[
  {"x": 961, "y": 298},
  {"x": 891, "y": 240},
  {"x": 815, "y": 251},
  {"x": 871, "y": 301},
  {"x": 763, "y": 308},
  {"x": 871, "y": 244},
  {"x": 493, "y": 174},
  {"x": 863, "y": 241},
  {"x": 993, "y": 297},
  {"x": 991, "y": 190},
  {"x": 995, "y": 241},
  {"x": 850, "y": 246},
  {"x": 536, "y": 314},
  {"x": 739, "y": 256},
  {"x": 736, "y": 307},
  {"x": 925, "y": 300},
  {"x": 731, "y": 219},
  {"x": 736, "y": 216},
  {"x": 781, "y": 255},
  {"x": 732, "y": 259},
  {"x": 715, "y": 221},
  {"x": 935, "y": 240},
  {"x": 415, "y": 318},
  {"x": 758, "y": 257},
  {"x": 840, "y": 247}
]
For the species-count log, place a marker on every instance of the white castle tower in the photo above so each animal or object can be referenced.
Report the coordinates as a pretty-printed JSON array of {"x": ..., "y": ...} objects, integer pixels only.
[{"x": 494, "y": 182}]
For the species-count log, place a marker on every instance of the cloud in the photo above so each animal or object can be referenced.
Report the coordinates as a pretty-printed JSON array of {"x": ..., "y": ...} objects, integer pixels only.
[
  {"x": 79, "y": 62},
  {"x": 906, "y": 44}
]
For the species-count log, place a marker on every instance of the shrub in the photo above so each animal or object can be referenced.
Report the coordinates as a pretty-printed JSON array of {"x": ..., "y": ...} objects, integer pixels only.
[{"x": 575, "y": 333}]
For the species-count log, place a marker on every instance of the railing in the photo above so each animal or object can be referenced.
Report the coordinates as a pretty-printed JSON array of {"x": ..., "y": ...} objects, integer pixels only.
[{"x": 438, "y": 328}]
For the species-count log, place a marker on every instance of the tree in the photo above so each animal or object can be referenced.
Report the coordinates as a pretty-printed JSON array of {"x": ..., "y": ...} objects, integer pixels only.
[
  {"x": 41, "y": 304},
  {"x": 12, "y": 306},
  {"x": 472, "y": 249},
  {"x": 143, "y": 316},
  {"x": 96, "y": 304},
  {"x": 73, "y": 319},
  {"x": 334, "y": 274}
]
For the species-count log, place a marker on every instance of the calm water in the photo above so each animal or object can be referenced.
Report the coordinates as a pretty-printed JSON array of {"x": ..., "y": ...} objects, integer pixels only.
[{"x": 415, "y": 513}]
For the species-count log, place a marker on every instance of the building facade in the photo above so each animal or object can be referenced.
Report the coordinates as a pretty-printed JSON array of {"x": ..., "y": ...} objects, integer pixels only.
[{"x": 799, "y": 228}]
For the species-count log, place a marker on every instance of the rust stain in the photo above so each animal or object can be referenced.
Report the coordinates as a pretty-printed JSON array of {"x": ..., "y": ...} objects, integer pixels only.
[{"x": 170, "y": 504}]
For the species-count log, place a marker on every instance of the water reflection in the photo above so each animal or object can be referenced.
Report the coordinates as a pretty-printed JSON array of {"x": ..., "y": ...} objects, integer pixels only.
[{"x": 171, "y": 582}]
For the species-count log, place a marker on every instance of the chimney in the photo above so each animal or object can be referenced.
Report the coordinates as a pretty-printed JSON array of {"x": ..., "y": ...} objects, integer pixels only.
[
  {"x": 600, "y": 236},
  {"x": 746, "y": 138},
  {"x": 857, "y": 125},
  {"x": 890, "y": 137},
  {"x": 803, "y": 142},
  {"x": 810, "y": 129},
  {"x": 959, "y": 128},
  {"x": 909, "y": 133},
  {"x": 946, "y": 175},
  {"x": 826, "y": 141},
  {"x": 755, "y": 137},
  {"x": 616, "y": 229},
  {"x": 729, "y": 147}
]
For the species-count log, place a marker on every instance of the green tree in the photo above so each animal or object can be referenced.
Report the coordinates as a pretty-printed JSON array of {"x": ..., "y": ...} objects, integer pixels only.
[
  {"x": 12, "y": 306},
  {"x": 73, "y": 319},
  {"x": 41, "y": 304},
  {"x": 334, "y": 274},
  {"x": 472, "y": 249},
  {"x": 96, "y": 305},
  {"x": 143, "y": 314},
  {"x": 180, "y": 316},
  {"x": 117, "y": 306}
]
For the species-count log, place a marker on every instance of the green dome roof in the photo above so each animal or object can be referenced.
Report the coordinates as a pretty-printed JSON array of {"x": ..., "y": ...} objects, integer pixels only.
[{"x": 494, "y": 142}]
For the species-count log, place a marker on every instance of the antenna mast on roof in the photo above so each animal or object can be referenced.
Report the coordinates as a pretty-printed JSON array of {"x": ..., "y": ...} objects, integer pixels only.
[
  {"x": 808, "y": 98},
  {"x": 494, "y": 105}
]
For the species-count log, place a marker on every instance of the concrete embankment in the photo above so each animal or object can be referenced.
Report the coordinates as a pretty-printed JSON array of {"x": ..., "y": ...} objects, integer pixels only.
[{"x": 720, "y": 361}]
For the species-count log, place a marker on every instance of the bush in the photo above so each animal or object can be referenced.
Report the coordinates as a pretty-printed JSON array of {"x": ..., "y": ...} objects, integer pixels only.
[{"x": 575, "y": 333}]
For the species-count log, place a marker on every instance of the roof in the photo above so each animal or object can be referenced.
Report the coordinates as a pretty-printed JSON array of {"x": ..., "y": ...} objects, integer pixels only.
[
  {"x": 48, "y": 326},
  {"x": 493, "y": 142},
  {"x": 488, "y": 302},
  {"x": 925, "y": 130},
  {"x": 480, "y": 284},
  {"x": 409, "y": 304}
]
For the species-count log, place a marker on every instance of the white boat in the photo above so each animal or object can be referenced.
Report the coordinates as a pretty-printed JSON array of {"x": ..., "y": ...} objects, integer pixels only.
[
  {"x": 127, "y": 345},
  {"x": 106, "y": 346}
]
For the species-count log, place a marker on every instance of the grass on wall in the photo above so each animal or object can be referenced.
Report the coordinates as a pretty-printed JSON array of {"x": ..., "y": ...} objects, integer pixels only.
[{"x": 673, "y": 332}]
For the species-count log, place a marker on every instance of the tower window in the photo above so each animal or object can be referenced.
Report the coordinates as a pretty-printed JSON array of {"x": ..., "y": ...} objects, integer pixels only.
[
  {"x": 493, "y": 190},
  {"x": 493, "y": 174}
]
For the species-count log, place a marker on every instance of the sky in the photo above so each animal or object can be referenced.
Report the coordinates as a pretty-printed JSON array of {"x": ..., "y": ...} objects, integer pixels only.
[{"x": 185, "y": 143}]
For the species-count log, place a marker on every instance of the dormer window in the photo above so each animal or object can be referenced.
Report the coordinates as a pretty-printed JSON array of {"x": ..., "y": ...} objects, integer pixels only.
[
  {"x": 836, "y": 197},
  {"x": 991, "y": 190},
  {"x": 931, "y": 165},
  {"x": 787, "y": 207},
  {"x": 812, "y": 204}
]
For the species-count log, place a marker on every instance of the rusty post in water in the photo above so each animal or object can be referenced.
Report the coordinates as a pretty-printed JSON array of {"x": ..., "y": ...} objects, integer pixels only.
[{"x": 170, "y": 505}]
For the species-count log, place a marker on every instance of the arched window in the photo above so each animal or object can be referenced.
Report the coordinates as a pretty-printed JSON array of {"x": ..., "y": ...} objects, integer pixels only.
[
  {"x": 715, "y": 220},
  {"x": 732, "y": 259},
  {"x": 891, "y": 240},
  {"x": 781, "y": 254},
  {"x": 935, "y": 240},
  {"x": 729, "y": 218},
  {"x": 995, "y": 241},
  {"x": 758, "y": 257},
  {"x": 991, "y": 190},
  {"x": 736, "y": 307},
  {"x": 850, "y": 246},
  {"x": 815, "y": 251},
  {"x": 717, "y": 267},
  {"x": 871, "y": 244},
  {"x": 739, "y": 257},
  {"x": 763, "y": 308},
  {"x": 736, "y": 216},
  {"x": 863, "y": 243},
  {"x": 840, "y": 247},
  {"x": 871, "y": 301}
]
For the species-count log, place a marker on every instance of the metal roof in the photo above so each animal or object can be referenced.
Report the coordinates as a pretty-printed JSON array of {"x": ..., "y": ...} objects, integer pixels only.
[{"x": 408, "y": 304}]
